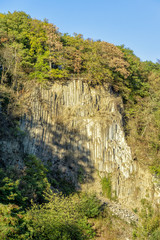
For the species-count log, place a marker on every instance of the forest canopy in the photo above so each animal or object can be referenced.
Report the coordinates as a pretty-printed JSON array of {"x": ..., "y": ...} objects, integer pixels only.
[{"x": 31, "y": 49}]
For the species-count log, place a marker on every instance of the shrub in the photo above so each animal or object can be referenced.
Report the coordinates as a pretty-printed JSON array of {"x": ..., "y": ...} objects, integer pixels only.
[
  {"x": 149, "y": 223},
  {"x": 89, "y": 205},
  {"x": 34, "y": 180},
  {"x": 9, "y": 190},
  {"x": 29, "y": 185},
  {"x": 58, "y": 219},
  {"x": 12, "y": 225},
  {"x": 155, "y": 235},
  {"x": 107, "y": 187}
]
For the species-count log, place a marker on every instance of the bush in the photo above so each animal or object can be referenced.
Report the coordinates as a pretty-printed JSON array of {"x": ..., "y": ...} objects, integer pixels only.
[
  {"x": 89, "y": 205},
  {"x": 12, "y": 225},
  {"x": 58, "y": 219},
  {"x": 106, "y": 187},
  {"x": 155, "y": 235},
  {"x": 34, "y": 179},
  {"x": 9, "y": 190},
  {"x": 149, "y": 223},
  {"x": 31, "y": 183}
]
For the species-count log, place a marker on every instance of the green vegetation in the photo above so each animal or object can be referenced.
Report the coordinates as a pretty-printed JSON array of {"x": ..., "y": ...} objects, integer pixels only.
[
  {"x": 21, "y": 186},
  {"x": 34, "y": 51},
  {"x": 59, "y": 218},
  {"x": 81, "y": 175},
  {"x": 149, "y": 226},
  {"x": 107, "y": 187},
  {"x": 29, "y": 209},
  {"x": 89, "y": 206}
]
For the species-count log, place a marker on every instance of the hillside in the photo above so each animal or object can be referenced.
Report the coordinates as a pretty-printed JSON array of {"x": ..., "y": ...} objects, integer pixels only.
[{"x": 75, "y": 114}]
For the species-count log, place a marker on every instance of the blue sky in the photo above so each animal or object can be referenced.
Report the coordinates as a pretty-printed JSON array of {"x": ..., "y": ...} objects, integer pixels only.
[{"x": 134, "y": 23}]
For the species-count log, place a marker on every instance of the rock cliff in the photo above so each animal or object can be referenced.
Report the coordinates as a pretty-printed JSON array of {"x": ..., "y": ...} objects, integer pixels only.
[{"x": 75, "y": 129}]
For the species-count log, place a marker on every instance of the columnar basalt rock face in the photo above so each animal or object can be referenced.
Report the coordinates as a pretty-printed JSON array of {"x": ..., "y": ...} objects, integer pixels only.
[{"x": 72, "y": 126}]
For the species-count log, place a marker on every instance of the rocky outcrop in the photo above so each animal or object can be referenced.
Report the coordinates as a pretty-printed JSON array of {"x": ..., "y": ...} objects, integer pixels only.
[{"x": 75, "y": 129}]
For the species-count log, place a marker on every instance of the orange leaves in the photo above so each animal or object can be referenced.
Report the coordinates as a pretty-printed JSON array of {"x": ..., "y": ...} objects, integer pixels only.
[
  {"x": 77, "y": 61},
  {"x": 53, "y": 38},
  {"x": 114, "y": 58},
  {"x": 3, "y": 39},
  {"x": 119, "y": 65}
]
